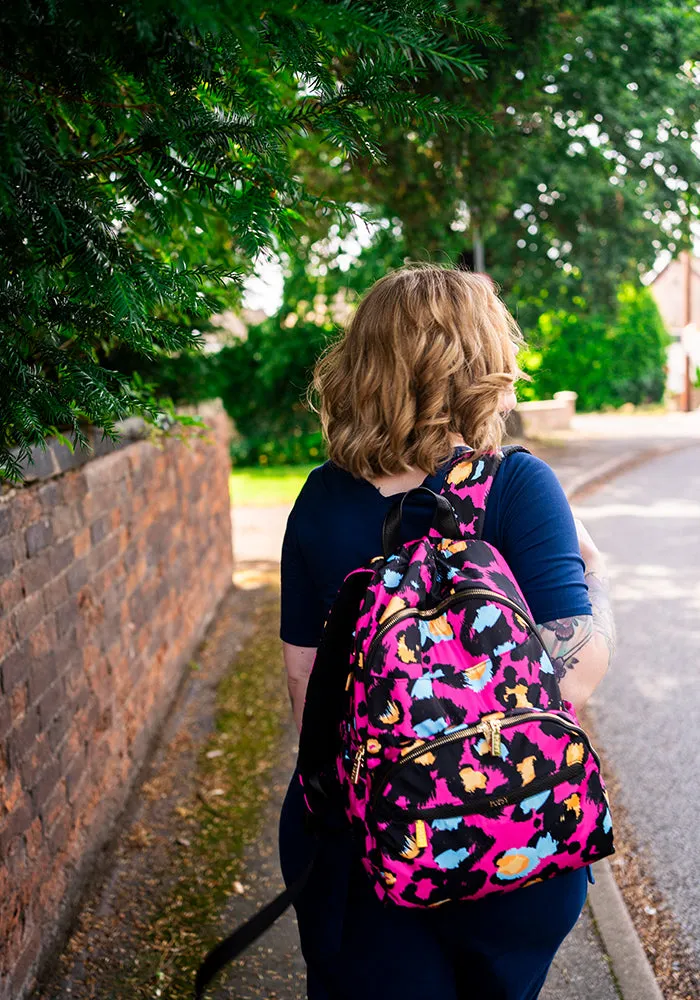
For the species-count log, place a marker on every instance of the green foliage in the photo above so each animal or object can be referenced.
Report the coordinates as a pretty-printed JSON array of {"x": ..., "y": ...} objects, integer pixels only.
[
  {"x": 587, "y": 174},
  {"x": 589, "y": 170},
  {"x": 607, "y": 364},
  {"x": 147, "y": 159},
  {"x": 264, "y": 380}
]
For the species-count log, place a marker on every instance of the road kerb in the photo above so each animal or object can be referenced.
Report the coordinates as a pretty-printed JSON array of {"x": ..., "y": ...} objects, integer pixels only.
[
  {"x": 630, "y": 965},
  {"x": 622, "y": 463}
]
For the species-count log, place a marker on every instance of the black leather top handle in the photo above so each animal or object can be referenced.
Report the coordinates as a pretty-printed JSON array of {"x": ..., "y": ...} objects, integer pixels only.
[{"x": 445, "y": 520}]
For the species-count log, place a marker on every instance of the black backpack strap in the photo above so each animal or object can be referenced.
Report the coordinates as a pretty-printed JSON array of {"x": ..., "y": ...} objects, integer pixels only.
[
  {"x": 327, "y": 695},
  {"x": 231, "y": 947},
  {"x": 324, "y": 706},
  {"x": 468, "y": 482}
]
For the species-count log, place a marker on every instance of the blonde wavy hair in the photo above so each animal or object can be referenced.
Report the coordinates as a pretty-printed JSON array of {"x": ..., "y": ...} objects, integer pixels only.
[{"x": 428, "y": 353}]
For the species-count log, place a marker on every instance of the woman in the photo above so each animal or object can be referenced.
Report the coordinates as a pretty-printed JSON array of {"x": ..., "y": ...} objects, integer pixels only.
[{"x": 427, "y": 366}]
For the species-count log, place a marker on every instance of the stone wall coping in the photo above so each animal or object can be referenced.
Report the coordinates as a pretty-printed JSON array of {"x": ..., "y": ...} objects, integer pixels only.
[{"x": 57, "y": 458}]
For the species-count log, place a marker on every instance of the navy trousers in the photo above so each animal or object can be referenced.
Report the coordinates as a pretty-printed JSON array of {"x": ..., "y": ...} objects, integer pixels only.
[{"x": 356, "y": 948}]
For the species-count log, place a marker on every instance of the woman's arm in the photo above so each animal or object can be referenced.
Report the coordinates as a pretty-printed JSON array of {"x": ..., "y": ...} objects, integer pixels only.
[
  {"x": 581, "y": 648},
  {"x": 298, "y": 660}
]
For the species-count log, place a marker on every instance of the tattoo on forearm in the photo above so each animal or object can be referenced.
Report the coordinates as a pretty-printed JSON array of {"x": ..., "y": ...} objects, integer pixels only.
[
  {"x": 603, "y": 620},
  {"x": 565, "y": 637}
]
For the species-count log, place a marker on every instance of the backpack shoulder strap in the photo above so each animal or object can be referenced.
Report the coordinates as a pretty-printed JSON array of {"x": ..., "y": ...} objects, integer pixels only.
[{"x": 468, "y": 482}]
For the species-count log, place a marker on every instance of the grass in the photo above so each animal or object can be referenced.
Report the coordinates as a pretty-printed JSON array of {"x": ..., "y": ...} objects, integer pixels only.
[
  {"x": 267, "y": 487},
  {"x": 251, "y": 700}
]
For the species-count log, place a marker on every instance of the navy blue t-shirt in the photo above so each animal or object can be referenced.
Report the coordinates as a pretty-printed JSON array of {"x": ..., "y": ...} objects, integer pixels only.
[{"x": 336, "y": 526}]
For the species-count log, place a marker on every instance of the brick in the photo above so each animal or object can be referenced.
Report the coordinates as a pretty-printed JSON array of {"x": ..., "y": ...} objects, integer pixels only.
[
  {"x": 7, "y": 556},
  {"x": 49, "y": 496},
  {"x": 100, "y": 528},
  {"x": 5, "y": 517},
  {"x": 37, "y": 571},
  {"x": 46, "y": 784},
  {"x": 12, "y": 793},
  {"x": 11, "y": 592},
  {"x": 34, "y": 760},
  {"x": 58, "y": 834},
  {"x": 61, "y": 556},
  {"x": 74, "y": 678},
  {"x": 65, "y": 519},
  {"x": 26, "y": 509},
  {"x": 88, "y": 715},
  {"x": 22, "y": 736},
  {"x": 53, "y": 887},
  {"x": 43, "y": 671},
  {"x": 116, "y": 518},
  {"x": 29, "y": 613},
  {"x": 52, "y": 700},
  {"x": 107, "y": 470},
  {"x": 18, "y": 699},
  {"x": 38, "y": 536},
  {"x": 33, "y": 837},
  {"x": 14, "y": 667},
  {"x": 81, "y": 543},
  {"x": 74, "y": 745},
  {"x": 74, "y": 774},
  {"x": 67, "y": 616},
  {"x": 8, "y": 635},
  {"x": 6, "y": 717},
  {"x": 66, "y": 645},
  {"x": 43, "y": 637},
  {"x": 56, "y": 592},
  {"x": 97, "y": 501},
  {"x": 90, "y": 611},
  {"x": 54, "y": 805},
  {"x": 78, "y": 574},
  {"x": 104, "y": 553},
  {"x": 15, "y": 824},
  {"x": 58, "y": 728},
  {"x": 74, "y": 487}
]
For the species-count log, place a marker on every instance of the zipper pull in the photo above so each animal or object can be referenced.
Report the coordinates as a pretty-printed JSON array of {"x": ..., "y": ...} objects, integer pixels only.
[
  {"x": 491, "y": 729},
  {"x": 357, "y": 764}
]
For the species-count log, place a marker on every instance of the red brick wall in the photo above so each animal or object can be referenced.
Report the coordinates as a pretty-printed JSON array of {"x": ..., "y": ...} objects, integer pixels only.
[{"x": 109, "y": 575}]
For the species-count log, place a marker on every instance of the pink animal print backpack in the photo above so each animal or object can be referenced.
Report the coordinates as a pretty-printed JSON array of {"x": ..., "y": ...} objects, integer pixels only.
[
  {"x": 433, "y": 719},
  {"x": 461, "y": 769}
]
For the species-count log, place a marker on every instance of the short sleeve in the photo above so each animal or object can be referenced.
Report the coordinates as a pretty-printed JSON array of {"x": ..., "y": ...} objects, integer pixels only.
[
  {"x": 536, "y": 534},
  {"x": 302, "y": 611}
]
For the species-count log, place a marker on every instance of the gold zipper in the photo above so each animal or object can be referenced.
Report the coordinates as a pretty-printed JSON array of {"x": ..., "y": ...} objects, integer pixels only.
[
  {"x": 461, "y": 595},
  {"x": 490, "y": 728},
  {"x": 357, "y": 764}
]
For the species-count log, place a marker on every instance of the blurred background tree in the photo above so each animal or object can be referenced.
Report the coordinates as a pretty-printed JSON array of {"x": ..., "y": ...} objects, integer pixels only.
[
  {"x": 155, "y": 155},
  {"x": 147, "y": 162},
  {"x": 587, "y": 178}
]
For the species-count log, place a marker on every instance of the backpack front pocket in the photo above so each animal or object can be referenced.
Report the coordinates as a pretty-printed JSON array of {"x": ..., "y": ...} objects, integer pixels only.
[{"x": 488, "y": 807}]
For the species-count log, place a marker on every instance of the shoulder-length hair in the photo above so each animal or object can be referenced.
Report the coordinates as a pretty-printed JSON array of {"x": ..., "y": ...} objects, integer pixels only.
[{"x": 428, "y": 353}]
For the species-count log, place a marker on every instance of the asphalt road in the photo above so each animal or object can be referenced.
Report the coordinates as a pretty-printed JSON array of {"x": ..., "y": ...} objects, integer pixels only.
[{"x": 646, "y": 712}]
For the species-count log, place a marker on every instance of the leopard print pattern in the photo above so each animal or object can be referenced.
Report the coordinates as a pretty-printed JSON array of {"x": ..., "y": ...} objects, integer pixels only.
[{"x": 463, "y": 770}]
